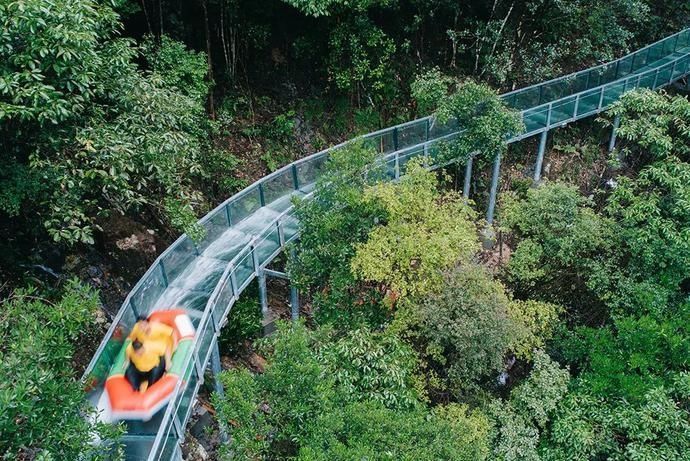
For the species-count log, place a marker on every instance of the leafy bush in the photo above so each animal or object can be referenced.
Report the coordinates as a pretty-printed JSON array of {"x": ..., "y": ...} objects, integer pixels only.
[
  {"x": 43, "y": 408},
  {"x": 244, "y": 322},
  {"x": 485, "y": 120},
  {"x": 369, "y": 431},
  {"x": 331, "y": 224},
  {"x": 100, "y": 135},
  {"x": 654, "y": 124},
  {"x": 52, "y": 59},
  {"x": 630, "y": 399},
  {"x": 465, "y": 327},
  {"x": 560, "y": 241},
  {"x": 534, "y": 324},
  {"x": 360, "y": 59},
  {"x": 299, "y": 407},
  {"x": 428, "y": 89},
  {"x": 517, "y": 422},
  {"x": 632, "y": 356},
  {"x": 180, "y": 69},
  {"x": 589, "y": 427},
  {"x": 654, "y": 218},
  {"x": 374, "y": 366},
  {"x": 425, "y": 232}
]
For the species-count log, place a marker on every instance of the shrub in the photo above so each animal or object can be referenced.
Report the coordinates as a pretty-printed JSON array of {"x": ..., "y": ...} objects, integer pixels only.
[
  {"x": 561, "y": 239},
  {"x": 466, "y": 327},
  {"x": 534, "y": 324},
  {"x": 374, "y": 366},
  {"x": 517, "y": 422},
  {"x": 43, "y": 408},
  {"x": 331, "y": 224},
  {"x": 484, "y": 119},
  {"x": 425, "y": 232},
  {"x": 302, "y": 407}
]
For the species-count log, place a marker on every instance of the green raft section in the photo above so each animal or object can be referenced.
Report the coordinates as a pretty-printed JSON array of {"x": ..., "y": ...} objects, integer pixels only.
[{"x": 177, "y": 361}]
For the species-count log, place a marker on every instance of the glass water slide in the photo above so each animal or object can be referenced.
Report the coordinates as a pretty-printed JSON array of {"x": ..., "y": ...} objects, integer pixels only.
[{"x": 247, "y": 231}]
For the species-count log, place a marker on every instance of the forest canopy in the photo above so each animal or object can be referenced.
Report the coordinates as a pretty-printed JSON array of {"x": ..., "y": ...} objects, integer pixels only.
[{"x": 566, "y": 338}]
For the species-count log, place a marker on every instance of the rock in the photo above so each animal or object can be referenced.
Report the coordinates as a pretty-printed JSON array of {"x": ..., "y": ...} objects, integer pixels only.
[
  {"x": 195, "y": 451},
  {"x": 257, "y": 362},
  {"x": 94, "y": 272},
  {"x": 204, "y": 420},
  {"x": 100, "y": 317},
  {"x": 128, "y": 243}
]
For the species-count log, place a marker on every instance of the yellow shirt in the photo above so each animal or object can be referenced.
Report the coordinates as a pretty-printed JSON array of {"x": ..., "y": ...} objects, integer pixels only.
[
  {"x": 146, "y": 360},
  {"x": 160, "y": 332},
  {"x": 155, "y": 344}
]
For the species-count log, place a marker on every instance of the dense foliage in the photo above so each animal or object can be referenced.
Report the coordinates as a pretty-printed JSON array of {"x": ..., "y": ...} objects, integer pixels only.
[
  {"x": 338, "y": 218},
  {"x": 86, "y": 133},
  {"x": 306, "y": 404},
  {"x": 623, "y": 266},
  {"x": 485, "y": 120},
  {"x": 42, "y": 405},
  {"x": 425, "y": 232},
  {"x": 571, "y": 343}
]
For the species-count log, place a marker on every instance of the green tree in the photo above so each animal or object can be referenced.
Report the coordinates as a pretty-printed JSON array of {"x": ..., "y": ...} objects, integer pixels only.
[
  {"x": 178, "y": 68},
  {"x": 654, "y": 219},
  {"x": 519, "y": 421},
  {"x": 360, "y": 60},
  {"x": 484, "y": 120},
  {"x": 331, "y": 224},
  {"x": 313, "y": 409},
  {"x": 43, "y": 408},
  {"x": 374, "y": 366},
  {"x": 425, "y": 233},
  {"x": 86, "y": 132},
  {"x": 428, "y": 89},
  {"x": 52, "y": 59},
  {"x": 534, "y": 323},
  {"x": 561, "y": 239},
  {"x": 653, "y": 125},
  {"x": 630, "y": 398},
  {"x": 464, "y": 327}
]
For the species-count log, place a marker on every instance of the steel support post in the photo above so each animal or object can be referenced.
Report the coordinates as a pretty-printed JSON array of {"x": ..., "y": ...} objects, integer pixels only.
[
  {"x": 263, "y": 294},
  {"x": 494, "y": 189},
  {"x": 468, "y": 179},
  {"x": 294, "y": 293},
  {"x": 217, "y": 385},
  {"x": 215, "y": 367},
  {"x": 614, "y": 133},
  {"x": 540, "y": 155},
  {"x": 294, "y": 302},
  {"x": 177, "y": 454}
]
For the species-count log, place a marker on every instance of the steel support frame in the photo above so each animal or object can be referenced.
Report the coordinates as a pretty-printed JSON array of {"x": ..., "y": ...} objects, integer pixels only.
[
  {"x": 540, "y": 156},
  {"x": 614, "y": 133},
  {"x": 494, "y": 189},
  {"x": 468, "y": 179}
]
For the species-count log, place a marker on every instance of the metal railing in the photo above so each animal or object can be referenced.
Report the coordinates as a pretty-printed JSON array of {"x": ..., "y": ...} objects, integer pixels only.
[{"x": 396, "y": 146}]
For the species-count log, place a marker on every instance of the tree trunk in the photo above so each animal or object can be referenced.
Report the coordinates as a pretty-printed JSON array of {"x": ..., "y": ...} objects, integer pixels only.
[
  {"x": 160, "y": 19},
  {"x": 146, "y": 15},
  {"x": 211, "y": 106}
]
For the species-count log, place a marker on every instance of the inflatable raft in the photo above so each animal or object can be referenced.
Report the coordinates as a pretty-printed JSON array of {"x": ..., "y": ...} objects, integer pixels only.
[{"x": 122, "y": 401}]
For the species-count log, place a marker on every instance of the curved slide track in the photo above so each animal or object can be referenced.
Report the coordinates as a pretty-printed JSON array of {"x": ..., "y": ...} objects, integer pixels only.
[{"x": 247, "y": 231}]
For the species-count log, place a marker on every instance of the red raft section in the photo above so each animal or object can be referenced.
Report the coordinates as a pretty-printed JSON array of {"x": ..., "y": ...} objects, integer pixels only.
[{"x": 124, "y": 401}]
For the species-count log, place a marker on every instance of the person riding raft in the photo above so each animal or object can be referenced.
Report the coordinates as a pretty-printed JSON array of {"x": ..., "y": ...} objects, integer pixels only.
[{"x": 149, "y": 353}]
